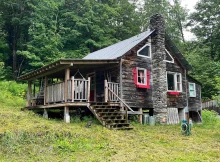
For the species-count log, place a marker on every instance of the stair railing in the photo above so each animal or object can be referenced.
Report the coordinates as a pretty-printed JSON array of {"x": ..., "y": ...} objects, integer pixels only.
[{"x": 109, "y": 92}]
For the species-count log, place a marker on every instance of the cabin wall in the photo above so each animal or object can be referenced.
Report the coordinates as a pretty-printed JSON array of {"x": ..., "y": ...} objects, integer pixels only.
[
  {"x": 177, "y": 101},
  {"x": 135, "y": 97},
  {"x": 194, "y": 103}
]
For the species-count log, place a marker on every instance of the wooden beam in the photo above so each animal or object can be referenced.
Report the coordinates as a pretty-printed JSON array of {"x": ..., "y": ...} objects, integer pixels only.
[
  {"x": 45, "y": 89},
  {"x": 67, "y": 77},
  {"x": 66, "y": 114},
  {"x": 140, "y": 116},
  {"x": 106, "y": 90},
  {"x": 121, "y": 87},
  {"x": 29, "y": 92},
  {"x": 88, "y": 97},
  {"x": 73, "y": 89}
]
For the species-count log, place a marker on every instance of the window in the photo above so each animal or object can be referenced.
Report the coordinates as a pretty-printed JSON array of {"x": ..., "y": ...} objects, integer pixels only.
[
  {"x": 168, "y": 57},
  {"x": 174, "y": 82},
  {"x": 192, "y": 90},
  {"x": 141, "y": 77},
  {"x": 145, "y": 51},
  {"x": 141, "y": 74}
]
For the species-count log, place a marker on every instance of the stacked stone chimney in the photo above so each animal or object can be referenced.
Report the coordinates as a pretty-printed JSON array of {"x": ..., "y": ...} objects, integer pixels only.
[{"x": 159, "y": 87}]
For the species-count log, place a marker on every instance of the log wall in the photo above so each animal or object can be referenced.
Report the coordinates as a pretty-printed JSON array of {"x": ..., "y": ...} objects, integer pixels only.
[
  {"x": 177, "y": 101},
  {"x": 135, "y": 97}
]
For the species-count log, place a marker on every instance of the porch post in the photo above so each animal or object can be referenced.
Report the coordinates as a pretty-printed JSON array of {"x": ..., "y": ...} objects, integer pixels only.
[
  {"x": 88, "y": 97},
  {"x": 73, "y": 88},
  {"x": 45, "y": 115},
  {"x": 66, "y": 114},
  {"x": 29, "y": 92},
  {"x": 67, "y": 77},
  {"x": 140, "y": 116},
  {"x": 45, "y": 89},
  {"x": 106, "y": 90}
]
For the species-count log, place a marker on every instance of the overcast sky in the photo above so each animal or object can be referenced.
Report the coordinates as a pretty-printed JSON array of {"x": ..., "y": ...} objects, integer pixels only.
[{"x": 189, "y": 4}]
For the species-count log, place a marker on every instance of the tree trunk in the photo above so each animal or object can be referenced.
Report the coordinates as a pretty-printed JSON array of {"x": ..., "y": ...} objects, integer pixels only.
[{"x": 14, "y": 55}]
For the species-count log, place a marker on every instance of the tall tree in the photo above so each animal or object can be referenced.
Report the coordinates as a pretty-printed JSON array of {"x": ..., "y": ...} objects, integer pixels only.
[
  {"x": 14, "y": 15},
  {"x": 205, "y": 23},
  {"x": 173, "y": 13}
]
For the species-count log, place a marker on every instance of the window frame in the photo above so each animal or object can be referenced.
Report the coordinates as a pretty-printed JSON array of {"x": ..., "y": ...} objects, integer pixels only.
[
  {"x": 175, "y": 82},
  {"x": 170, "y": 56},
  {"x": 149, "y": 45},
  {"x": 145, "y": 76},
  {"x": 194, "y": 88}
]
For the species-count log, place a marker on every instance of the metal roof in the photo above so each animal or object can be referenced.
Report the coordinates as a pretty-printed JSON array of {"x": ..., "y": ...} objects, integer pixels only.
[{"x": 117, "y": 50}]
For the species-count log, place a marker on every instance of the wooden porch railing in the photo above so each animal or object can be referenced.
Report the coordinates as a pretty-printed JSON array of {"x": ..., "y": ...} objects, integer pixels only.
[
  {"x": 209, "y": 104},
  {"x": 114, "y": 87},
  {"x": 78, "y": 90},
  {"x": 110, "y": 94},
  {"x": 55, "y": 93}
]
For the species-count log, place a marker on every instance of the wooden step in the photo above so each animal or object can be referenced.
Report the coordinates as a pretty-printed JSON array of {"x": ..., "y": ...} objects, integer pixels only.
[
  {"x": 105, "y": 106},
  {"x": 122, "y": 128},
  {"x": 115, "y": 121},
  {"x": 111, "y": 117},
  {"x": 109, "y": 113}
]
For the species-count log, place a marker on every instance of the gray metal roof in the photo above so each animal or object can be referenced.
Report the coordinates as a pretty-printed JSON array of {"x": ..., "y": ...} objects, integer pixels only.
[{"x": 117, "y": 50}]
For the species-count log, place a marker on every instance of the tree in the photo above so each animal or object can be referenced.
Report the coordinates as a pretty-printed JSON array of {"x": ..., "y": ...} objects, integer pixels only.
[
  {"x": 205, "y": 23},
  {"x": 174, "y": 16},
  {"x": 15, "y": 23}
]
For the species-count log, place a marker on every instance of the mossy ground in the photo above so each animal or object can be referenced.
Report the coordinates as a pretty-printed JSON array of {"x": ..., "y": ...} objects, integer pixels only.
[{"x": 26, "y": 136}]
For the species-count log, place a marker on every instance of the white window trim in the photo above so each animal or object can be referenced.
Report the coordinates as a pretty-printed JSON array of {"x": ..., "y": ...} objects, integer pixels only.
[
  {"x": 145, "y": 75},
  {"x": 194, "y": 87},
  {"x": 148, "y": 44},
  {"x": 169, "y": 55},
  {"x": 175, "y": 81}
]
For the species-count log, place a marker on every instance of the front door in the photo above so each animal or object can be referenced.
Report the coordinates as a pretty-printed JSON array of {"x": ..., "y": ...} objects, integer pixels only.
[{"x": 92, "y": 87}]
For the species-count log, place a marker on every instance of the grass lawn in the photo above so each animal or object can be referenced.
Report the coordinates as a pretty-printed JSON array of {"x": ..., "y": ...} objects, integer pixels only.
[{"x": 25, "y": 136}]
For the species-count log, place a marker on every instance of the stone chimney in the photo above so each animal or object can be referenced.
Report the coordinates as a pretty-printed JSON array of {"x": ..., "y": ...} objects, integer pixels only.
[{"x": 159, "y": 87}]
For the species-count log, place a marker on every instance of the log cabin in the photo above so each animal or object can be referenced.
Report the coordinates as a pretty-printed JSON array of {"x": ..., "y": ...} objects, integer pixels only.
[{"x": 144, "y": 72}]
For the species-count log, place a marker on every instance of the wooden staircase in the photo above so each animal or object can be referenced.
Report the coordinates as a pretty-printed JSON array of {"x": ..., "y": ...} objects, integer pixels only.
[{"x": 110, "y": 116}]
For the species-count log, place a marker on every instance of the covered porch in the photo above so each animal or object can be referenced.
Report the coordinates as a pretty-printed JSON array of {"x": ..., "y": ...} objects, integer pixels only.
[{"x": 71, "y": 82}]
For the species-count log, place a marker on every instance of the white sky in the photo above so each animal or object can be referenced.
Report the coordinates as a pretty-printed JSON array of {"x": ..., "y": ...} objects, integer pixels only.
[{"x": 189, "y": 4}]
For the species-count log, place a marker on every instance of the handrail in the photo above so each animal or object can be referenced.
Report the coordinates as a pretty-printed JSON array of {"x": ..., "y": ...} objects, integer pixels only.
[{"x": 119, "y": 98}]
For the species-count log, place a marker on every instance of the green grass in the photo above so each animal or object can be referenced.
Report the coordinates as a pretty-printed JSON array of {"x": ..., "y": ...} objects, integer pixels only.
[{"x": 26, "y": 136}]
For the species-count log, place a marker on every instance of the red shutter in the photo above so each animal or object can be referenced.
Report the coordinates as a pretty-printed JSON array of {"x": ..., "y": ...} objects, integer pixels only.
[
  {"x": 147, "y": 85},
  {"x": 134, "y": 71},
  {"x": 148, "y": 78}
]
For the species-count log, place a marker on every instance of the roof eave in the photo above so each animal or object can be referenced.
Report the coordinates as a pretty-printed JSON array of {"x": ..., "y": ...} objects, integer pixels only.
[{"x": 62, "y": 64}]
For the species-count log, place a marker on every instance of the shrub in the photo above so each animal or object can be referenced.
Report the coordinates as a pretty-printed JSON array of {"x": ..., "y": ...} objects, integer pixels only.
[
  {"x": 210, "y": 118},
  {"x": 12, "y": 93}
]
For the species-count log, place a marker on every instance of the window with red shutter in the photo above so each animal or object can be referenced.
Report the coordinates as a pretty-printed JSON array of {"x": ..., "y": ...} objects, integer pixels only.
[{"x": 141, "y": 77}]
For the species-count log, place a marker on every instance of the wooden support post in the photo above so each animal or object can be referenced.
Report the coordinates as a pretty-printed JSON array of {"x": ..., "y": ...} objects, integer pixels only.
[
  {"x": 34, "y": 91},
  {"x": 45, "y": 114},
  {"x": 141, "y": 115},
  {"x": 29, "y": 92},
  {"x": 45, "y": 89},
  {"x": 88, "y": 97},
  {"x": 66, "y": 114},
  {"x": 67, "y": 77},
  {"x": 106, "y": 90},
  {"x": 73, "y": 88}
]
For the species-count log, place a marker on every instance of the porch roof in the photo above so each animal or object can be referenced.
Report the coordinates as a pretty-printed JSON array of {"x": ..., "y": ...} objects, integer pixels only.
[{"x": 63, "y": 64}]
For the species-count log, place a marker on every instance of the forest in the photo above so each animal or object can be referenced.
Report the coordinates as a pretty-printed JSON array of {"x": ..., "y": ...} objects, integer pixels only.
[{"x": 34, "y": 33}]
